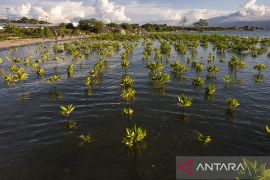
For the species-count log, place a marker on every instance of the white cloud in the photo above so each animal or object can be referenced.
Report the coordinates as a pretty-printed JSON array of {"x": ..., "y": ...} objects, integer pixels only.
[
  {"x": 69, "y": 11},
  {"x": 251, "y": 8},
  {"x": 154, "y": 12},
  {"x": 108, "y": 11}
]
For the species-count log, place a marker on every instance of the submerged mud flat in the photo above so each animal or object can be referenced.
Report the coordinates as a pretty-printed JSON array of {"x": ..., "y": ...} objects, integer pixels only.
[{"x": 38, "y": 142}]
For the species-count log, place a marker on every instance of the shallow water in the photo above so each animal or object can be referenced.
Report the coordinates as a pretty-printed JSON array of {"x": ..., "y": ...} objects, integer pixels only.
[{"x": 33, "y": 145}]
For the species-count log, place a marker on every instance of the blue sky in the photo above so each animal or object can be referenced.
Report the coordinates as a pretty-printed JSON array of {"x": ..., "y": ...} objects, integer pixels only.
[{"x": 136, "y": 10}]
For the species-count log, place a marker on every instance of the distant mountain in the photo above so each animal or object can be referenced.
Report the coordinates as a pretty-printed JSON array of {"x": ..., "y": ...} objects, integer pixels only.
[
  {"x": 234, "y": 20},
  {"x": 168, "y": 22}
]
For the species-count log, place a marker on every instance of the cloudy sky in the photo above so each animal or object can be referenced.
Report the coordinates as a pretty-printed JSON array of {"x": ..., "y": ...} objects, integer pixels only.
[{"x": 136, "y": 11}]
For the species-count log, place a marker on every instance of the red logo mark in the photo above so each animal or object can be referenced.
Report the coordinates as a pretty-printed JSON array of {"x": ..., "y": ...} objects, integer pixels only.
[{"x": 182, "y": 167}]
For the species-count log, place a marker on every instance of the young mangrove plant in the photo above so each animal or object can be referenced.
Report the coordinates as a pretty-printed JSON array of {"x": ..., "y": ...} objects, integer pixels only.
[
  {"x": 66, "y": 110},
  {"x": 54, "y": 79},
  {"x": 199, "y": 67},
  {"x": 184, "y": 102},
  {"x": 9, "y": 79},
  {"x": 128, "y": 112},
  {"x": 87, "y": 81},
  {"x": 70, "y": 70},
  {"x": 85, "y": 138},
  {"x": 40, "y": 71},
  {"x": 212, "y": 69},
  {"x": 232, "y": 103},
  {"x": 178, "y": 68},
  {"x": 227, "y": 79},
  {"x": 210, "y": 90},
  {"x": 205, "y": 139},
  {"x": 128, "y": 94},
  {"x": 155, "y": 67},
  {"x": 235, "y": 64},
  {"x": 260, "y": 68},
  {"x": 127, "y": 82},
  {"x": 70, "y": 125},
  {"x": 125, "y": 64},
  {"x": 253, "y": 170},
  {"x": 134, "y": 136},
  {"x": 161, "y": 78},
  {"x": 198, "y": 82},
  {"x": 267, "y": 129}
]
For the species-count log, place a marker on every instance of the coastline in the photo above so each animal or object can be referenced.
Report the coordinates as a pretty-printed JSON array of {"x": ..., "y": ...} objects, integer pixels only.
[{"x": 5, "y": 44}]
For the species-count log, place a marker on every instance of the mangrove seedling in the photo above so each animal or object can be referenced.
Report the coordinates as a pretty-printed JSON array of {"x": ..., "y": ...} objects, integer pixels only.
[
  {"x": 232, "y": 103},
  {"x": 205, "y": 139},
  {"x": 161, "y": 78},
  {"x": 198, "y": 82},
  {"x": 9, "y": 79},
  {"x": 155, "y": 67},
  {"x": 86, "y": 138},
  {"x": 87, "y": 81},
  {"x": 40, "y": 71},
  {"x": 253, "y": 170},
  {"x": 199, "y": 67},
  {"x": 21, "y": 76},
  {"x": 70, "y": 70},
  {"x": 128, "y": 112},
  {"x": 184, "y": 101},
  {"x": 260, "y": 67},
  {"x": 128, "y": 94},
  {"x": 134, "y": 136},
  {"x": 210, "y": 90},
  {"x": 54, "y": 78},
  {"x": 267, "y": 129},
  {"x": 127, "y": 82},
  {"x": 212, "y": 69},
  {"x": 66, "y": 110},
  {"x": 125, "y": 63},
  {"x": 70, "y": 125},
  {"x": 178, "y": 68},
  {"x": 227, "y": 79}
]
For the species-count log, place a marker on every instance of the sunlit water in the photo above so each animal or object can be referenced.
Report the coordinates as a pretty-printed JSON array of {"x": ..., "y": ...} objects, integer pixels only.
[{"x": 33, "y": 144}]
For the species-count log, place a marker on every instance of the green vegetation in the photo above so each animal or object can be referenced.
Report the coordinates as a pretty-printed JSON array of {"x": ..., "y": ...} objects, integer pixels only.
[
  {"x": 232, "y": 103},
  {"x": 210, "y": 90},
  {"x": 128, "y": 112},
  {"x": 134, "y": 136},
  {"x": 198, "y": 82},
  {"x": 205, "y": 139},
  {"x": 253, "y": 170},
  {"x": 260, "y": 67},
  {"x": 66, "y": 110},
  {"x": 267, "y": 129}
]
